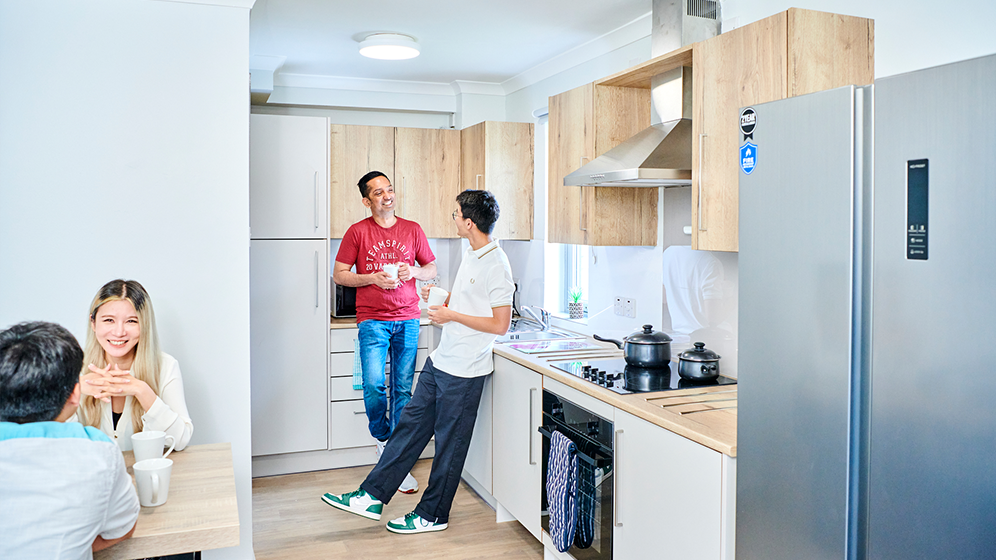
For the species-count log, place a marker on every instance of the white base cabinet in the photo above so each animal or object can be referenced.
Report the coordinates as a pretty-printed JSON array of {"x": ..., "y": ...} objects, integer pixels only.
[
  {"x": 518, "y": 409},
  {"x": 669, "y": 500},
  {"x": 480, "y": 455}
]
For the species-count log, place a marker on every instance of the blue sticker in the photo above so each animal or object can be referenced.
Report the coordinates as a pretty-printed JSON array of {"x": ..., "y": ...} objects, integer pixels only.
[{"x": 748, "y": 157}]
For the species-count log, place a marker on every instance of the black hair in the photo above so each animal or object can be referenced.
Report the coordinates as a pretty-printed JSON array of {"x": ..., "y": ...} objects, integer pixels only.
[
  {"x": 40, "y": 365},
  {"x": 364, "y": 187},
  {"x": 479, "y": 207}
]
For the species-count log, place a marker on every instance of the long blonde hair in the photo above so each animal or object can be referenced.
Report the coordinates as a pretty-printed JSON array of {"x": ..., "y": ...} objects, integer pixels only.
[{"x": 147, "y": 356}]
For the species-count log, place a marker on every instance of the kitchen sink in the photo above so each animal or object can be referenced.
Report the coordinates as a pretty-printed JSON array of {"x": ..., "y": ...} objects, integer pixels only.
[{"x": 527, "y": 329}]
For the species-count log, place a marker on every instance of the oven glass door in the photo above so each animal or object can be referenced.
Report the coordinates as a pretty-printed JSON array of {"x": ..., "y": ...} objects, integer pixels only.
[{"x": 592, "y": 435}]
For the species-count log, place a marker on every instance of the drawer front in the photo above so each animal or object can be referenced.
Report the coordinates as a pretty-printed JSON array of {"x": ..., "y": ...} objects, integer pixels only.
[
  {"x": 341, "y": 365},
  {"x": 342, "y": 388},
  {"x": 342, "y": 340},
  {"x": 348, "y": 425}
]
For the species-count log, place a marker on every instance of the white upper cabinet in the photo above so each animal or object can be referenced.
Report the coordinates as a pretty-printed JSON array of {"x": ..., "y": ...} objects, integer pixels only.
[{"x": 288, "y": 184}]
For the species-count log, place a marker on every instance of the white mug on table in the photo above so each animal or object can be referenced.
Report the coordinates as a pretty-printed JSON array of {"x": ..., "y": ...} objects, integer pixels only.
[
  {"x": 150, "y": 444},
  {"x": 152, "y": 481}
]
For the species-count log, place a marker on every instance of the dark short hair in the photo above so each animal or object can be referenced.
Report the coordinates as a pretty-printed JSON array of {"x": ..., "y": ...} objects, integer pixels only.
[
  {"x": 40, "y": 365},
  {"x": 364, "y": 187},
  {"x": 479, "y": 207}
]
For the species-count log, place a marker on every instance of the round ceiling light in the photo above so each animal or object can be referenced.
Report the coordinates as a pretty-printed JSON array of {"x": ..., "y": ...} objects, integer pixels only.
[{"x": 389, "y": 46}]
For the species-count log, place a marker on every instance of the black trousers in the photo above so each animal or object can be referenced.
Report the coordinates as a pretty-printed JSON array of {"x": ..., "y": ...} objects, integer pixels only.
[{"x": 442, "y": 405}]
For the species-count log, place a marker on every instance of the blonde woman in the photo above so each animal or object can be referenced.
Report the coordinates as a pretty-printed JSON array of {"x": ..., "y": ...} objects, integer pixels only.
[{"x": 129, "y": 385}]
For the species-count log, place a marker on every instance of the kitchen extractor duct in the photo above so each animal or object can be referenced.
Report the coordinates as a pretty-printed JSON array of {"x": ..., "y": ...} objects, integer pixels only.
[{"x": 661, "y": 155}]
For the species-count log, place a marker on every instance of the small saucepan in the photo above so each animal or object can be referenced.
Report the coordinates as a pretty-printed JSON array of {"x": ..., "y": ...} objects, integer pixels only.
[
  {"x": 649, "y": 349},
  {"x": 698, "y": 363}
]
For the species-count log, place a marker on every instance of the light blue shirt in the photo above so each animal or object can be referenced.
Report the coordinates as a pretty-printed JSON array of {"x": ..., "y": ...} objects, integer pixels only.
[{"x": 61, "y": 485}]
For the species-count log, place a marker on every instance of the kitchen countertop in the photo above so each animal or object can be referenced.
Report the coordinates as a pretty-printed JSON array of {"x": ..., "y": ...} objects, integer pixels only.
[
  {"x": 350, "y": 322},
  {"x": 715, "y": 429}
]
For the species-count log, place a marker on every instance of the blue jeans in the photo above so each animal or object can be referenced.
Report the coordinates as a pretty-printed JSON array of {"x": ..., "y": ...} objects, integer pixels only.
[{"x": 377, "y": 338}]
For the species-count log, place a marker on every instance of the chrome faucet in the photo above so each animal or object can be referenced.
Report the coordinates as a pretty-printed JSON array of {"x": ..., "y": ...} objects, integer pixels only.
[{"x": 540, "y": 315}]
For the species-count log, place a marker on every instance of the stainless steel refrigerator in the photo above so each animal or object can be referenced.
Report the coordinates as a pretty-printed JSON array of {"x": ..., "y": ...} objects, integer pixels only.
[{"x": 867, "y": 355}]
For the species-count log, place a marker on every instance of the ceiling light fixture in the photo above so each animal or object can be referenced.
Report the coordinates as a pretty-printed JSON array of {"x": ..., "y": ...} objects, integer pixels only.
[{"x": 389, "y": 46}]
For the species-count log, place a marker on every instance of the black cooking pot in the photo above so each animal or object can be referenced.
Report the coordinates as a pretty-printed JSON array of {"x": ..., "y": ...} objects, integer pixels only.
[
  {"x": 698, "y": 363},
  {"x": 649, "y": 349},
  {"x": 643, "y": 380}
]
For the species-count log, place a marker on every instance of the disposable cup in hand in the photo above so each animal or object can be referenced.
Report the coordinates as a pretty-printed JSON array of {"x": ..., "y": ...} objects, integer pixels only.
[
  {"x": 437, "y": 296},
  {"x": 152, "y": 481},
  {"x": 150, "y": 444},
  {"x": 391, "y": 270}
]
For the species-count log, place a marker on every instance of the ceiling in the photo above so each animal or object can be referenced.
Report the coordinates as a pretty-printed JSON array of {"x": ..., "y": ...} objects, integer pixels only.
[{"x": 465, "y": 40}]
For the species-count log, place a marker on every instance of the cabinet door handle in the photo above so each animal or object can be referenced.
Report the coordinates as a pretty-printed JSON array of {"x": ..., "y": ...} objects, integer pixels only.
[
  {"x": 477, "y": 181},
  {"x": 358, "y": 412},
  {"x": 581, "y": 199},
  {"x": 701, "y": 198},
  {"x": 316, "y": 200},
  {"x": 615, "y": 481},
  {"x": 316, "y": 279},
  {"x": 532, "y": 391}
]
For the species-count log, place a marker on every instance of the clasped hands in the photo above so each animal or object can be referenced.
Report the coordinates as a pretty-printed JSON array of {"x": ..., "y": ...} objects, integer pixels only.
[{"x": 104, "y": 383}]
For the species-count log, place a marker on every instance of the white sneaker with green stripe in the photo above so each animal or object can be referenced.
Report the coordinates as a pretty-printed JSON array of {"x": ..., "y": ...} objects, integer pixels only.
[
  {"x": 358, "y": 502},
  {"x": 413, "y": 523}
]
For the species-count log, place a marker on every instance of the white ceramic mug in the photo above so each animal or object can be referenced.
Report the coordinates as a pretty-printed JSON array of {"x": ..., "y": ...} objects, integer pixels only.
[
  {"x": 391, "y": 270},
  {"x": 152, "y": 481},
  {"x": 150, "y": 444},
  {"x": 437, "y": 296}
]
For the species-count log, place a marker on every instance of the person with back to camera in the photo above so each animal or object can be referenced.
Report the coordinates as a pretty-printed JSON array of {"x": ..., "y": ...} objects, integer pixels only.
[
  {"x": 64, "y": 490},
  {"x": 387, "y": 309},
  {"x": 449, "y": 391},
  {"x": 129, "y": 385}
]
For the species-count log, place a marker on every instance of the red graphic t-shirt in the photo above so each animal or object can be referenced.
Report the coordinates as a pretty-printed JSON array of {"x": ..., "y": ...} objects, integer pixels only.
[{"x": 369, "y": 247}]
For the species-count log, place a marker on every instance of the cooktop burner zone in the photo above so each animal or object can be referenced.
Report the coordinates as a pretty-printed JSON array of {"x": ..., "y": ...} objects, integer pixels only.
[{"x": 616, "y": 375}]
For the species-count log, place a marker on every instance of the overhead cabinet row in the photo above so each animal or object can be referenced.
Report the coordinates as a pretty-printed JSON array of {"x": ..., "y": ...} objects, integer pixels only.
[
  {"x": 791, "y": 53},
  {"x": 302, "y": 164}
]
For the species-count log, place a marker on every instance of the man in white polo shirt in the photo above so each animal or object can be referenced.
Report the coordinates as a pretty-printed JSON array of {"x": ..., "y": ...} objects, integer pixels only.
[
  {"x": 449, "y": 389},
  {"x": 64, "y": 490}
]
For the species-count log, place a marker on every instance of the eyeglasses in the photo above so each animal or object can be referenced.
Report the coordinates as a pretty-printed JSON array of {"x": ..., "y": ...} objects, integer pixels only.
[{"x": 453, "y": 215}]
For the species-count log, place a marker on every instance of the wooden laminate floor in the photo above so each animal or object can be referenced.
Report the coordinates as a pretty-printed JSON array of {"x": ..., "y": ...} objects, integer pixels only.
[{"x": 289, "y": 520}]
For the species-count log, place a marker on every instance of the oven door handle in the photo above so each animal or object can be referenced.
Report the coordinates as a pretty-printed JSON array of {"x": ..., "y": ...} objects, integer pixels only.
[{"x": 597, "y": 463}]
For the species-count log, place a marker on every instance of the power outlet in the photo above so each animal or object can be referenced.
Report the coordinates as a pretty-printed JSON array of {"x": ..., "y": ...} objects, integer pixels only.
[
  {"x": 431, "y": 282},
  {"x": 625, "y": 307}
]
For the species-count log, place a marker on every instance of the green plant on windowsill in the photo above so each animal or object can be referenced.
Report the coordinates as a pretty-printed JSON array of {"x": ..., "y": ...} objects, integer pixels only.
[{"x": 575, "y": 307}]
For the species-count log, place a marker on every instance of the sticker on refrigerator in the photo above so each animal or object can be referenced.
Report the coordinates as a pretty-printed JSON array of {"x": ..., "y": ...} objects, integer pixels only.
[
  {"x": 916, "y": 209},
  {"x": 748, "y": 119},
  {"x": 748, "y": 157}
]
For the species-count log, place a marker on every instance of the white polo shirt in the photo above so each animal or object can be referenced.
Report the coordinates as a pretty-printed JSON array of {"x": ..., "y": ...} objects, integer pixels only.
[{"x": 483, "y": 282}]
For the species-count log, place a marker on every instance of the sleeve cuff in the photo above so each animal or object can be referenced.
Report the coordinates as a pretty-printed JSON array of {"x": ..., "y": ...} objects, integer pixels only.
[{"x": 160, "y": 416}]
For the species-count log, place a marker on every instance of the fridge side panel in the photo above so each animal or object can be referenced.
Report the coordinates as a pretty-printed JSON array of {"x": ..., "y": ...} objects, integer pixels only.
[{"x": 932, "y": 481}]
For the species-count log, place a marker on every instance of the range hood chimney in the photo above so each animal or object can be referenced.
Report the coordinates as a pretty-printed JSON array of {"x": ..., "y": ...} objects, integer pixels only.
[{"x": 660, "y": 155}]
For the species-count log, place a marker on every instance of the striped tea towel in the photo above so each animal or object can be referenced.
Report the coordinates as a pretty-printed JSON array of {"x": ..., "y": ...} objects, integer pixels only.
[
  {"x": 561, "y": 490},
  {"x": 586, "y": 505},
  {"x": 357, "y": 366}
]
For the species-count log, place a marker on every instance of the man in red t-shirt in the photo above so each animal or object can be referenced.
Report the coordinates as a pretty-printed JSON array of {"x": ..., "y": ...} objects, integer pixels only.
[{"x": 387, "y": 310}]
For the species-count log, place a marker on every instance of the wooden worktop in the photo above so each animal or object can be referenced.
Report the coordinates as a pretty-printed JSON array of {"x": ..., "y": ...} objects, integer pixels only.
[
  {"x": 705, "y": 415},
  {"x": 350, "y": 322}
]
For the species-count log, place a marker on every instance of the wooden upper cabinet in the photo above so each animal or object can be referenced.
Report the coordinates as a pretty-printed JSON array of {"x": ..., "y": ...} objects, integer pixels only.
[
  {"x": 586, "y": 122},
  {"x": 354, "y": 151},
  {"x": 788, "y": 54},
  {"x": 498, "y": 157},
  {"x": 427, "y": 178}
]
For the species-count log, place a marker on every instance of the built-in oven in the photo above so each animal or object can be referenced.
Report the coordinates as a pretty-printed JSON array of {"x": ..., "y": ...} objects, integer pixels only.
[{"x": 593, "y": 437}]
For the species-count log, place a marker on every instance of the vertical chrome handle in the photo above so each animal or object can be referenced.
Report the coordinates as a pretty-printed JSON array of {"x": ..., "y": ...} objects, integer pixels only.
[
  {"x": 615, "y": 481},
  {"x": 477, "y": 181},
  {"x": 581, "y": 199},
  {"x": 701, "y": 198},
  {"x": 316, "y": 279},
  {"x": 316, "y": 200},
  {"x": 532, "y": 391}
]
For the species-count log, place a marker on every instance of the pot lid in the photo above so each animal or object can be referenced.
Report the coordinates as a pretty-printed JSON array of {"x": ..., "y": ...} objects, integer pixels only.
[
  {"x": 699, "y": 354},
  {"x": 648, "y": 336}
]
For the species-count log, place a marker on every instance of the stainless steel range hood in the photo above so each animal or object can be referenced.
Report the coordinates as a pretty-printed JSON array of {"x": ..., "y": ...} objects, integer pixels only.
[{"x": 661, "y": 155}]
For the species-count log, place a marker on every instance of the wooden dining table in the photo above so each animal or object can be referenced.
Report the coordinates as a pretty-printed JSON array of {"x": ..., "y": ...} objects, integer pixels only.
[{"x": 200, "y": 512}]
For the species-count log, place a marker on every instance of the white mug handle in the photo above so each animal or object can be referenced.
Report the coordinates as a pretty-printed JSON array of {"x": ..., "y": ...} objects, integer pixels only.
[
  {"x": 172, "y": 444},
  {"x": 155, "y": 488}
]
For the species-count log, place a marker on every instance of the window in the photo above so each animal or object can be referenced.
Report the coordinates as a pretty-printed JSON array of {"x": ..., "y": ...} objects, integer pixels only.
[{"x": 573, "y": 275}]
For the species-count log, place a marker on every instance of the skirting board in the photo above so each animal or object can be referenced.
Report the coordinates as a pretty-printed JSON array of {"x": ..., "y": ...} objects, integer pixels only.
[{"x": 289, "y": 463}]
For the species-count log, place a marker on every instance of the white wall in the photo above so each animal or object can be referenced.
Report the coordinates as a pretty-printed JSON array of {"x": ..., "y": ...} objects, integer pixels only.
[{"x": 124, "y": 153}]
